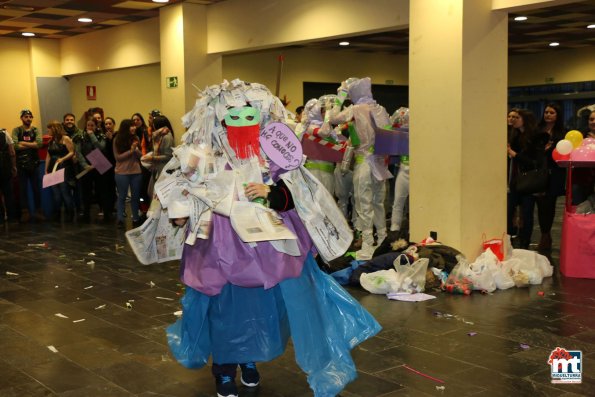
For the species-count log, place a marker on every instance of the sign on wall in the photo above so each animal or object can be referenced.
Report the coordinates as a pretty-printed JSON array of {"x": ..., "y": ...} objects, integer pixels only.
[
  {"x": 171, "y": 81},
  {"x": 91, "y": 92}
]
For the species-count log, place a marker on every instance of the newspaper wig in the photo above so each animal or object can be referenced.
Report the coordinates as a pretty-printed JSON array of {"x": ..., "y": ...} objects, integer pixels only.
[{"x": 205, "y": 123}]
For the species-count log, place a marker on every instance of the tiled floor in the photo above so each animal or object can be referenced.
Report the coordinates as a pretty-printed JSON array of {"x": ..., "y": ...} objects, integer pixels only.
[{"x": 120, "y": 351}]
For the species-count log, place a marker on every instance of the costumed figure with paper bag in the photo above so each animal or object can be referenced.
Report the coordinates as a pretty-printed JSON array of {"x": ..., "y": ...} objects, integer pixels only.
[
  {"x": 237, "y": 205},
  {"x": 529, "y": 174},
  {"x": 321, "y": 167},
  {"x": 370, "y": 171},
  {"x": 59, "y": 156},
  {"x": 400, "y": 119}
]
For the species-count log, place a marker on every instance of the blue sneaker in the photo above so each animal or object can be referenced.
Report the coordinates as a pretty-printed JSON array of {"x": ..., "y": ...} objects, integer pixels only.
[
  {"x": 226, "y": 386},
  {"x": 250, "y": 376}
]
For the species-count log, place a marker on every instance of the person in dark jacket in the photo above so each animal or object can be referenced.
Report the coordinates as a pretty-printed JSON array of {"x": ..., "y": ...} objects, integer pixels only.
[
  {"x": 552, "y": 123},
  {"x": 526, "y": 149},
  {"x": 91, "y": 139}
]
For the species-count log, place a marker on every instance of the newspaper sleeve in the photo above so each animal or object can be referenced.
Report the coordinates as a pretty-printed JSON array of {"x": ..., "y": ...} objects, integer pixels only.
[
  {"x": 165, "y": 187},
  {"x": 157, "y": 240},
  {"x": 319, "y": 213}
]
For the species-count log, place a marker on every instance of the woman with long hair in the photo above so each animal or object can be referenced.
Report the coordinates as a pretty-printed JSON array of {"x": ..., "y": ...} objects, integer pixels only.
[
  {"x": 526, "y": 149},
  {"x": 108, "y": 178},
  {"x": 59, "y": 156},
  {"x": 552, "y": 123},
  {"x": 146, "y": 146},
  {"x": 128, "y": 173},
  {"x": 163, "y": 141}
]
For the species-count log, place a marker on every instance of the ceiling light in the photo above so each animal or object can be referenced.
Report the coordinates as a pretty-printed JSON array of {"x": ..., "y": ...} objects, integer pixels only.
[
  {"x": 18, "y": 8},
  {"x": 344, "y": 43},
  {"x": 520, "y": 18},
  {"x": 85, "y": 20},
  {"x": 160, "y": 1},
  {"x": 28, "y": 34},
  {"x": 591, "y": 26},
  {"x": 554, "y": 44}
]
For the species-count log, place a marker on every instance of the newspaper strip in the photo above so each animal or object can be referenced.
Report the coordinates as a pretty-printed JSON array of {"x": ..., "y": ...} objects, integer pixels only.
[
  {"x": 254, "y": 222},
  {"x": 319, "y": 212}
]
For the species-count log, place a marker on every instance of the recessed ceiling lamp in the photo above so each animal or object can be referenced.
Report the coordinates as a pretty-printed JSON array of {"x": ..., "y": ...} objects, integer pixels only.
[
  {"x": 85, "y": 20},
  {"x": 18, "y": 8},
  {"x": 27, "y": 34},
  {"x": 344, "y": 43},
  {"x": 160, "y": 1},
  {"x": 591, "y": 26},
  {"x": 554, "y": 44},
  {"x": 519, "y": 19}
]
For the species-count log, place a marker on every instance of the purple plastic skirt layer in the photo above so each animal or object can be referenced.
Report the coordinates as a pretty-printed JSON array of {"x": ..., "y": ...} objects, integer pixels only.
[
  {"x": 210, "y": 264},
  {"x": 253, "y": 324}
]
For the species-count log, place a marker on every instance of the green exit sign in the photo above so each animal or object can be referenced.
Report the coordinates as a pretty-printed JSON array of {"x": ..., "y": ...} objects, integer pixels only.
[{"x": 171, "y": 81}]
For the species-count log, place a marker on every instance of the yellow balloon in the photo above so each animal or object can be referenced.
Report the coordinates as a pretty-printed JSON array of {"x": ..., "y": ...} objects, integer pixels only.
[{"x": 576, "y": 137}]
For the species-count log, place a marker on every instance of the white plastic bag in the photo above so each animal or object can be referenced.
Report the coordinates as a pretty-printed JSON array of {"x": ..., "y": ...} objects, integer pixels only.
[
  {"x": 501, "y": 277},
  {"x": 380, "y": 282},
  {"x": 534, "y": 263},
  {"x": 411, "y": 278},
  {"x": 547, "y": 270},
  {"x": 507, "y": 247},
  {"x": 524, "y": 267},
  {"x": 481, "y": 273}
]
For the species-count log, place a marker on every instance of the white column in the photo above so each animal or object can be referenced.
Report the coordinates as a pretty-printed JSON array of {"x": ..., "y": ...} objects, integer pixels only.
[{"x": 458, "y": 83}]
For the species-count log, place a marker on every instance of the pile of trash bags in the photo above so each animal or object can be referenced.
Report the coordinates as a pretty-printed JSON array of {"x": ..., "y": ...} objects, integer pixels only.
[{"x": 419, "y": 267}]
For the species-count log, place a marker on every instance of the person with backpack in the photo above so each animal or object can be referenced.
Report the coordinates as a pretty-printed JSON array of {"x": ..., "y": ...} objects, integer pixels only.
[
  {"x": 27, "y": 139},
  {"x": 8, "y": 170}
]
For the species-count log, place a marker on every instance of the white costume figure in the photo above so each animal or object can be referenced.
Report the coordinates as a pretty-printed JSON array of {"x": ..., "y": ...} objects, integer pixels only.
[
  {"x": 314, "y": 115},
  {"x": 344, "y": 193},
  {"x": 369, "y": 191},
  {"x": 400, "y": 118}
]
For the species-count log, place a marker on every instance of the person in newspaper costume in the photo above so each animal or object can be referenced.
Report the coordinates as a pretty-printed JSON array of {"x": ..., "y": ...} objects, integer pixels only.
[
  {"x": 370, "y": 170},
  {"x": 314, "y": 111},
  {"x": 244, "y": 299}
]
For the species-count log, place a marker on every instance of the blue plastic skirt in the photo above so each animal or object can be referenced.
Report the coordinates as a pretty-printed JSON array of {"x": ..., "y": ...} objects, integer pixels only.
[{"x": 253, "y": 324}]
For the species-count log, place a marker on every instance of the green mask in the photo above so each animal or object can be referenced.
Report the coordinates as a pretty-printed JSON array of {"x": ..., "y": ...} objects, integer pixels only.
[{"x": 242, "y": 117}]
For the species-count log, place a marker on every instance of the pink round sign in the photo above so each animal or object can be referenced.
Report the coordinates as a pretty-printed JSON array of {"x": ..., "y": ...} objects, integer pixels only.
[{"x": 281, "y": 145}]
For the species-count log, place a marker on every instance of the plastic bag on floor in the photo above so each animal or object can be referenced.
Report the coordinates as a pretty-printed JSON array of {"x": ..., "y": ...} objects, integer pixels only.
[
  {"x": 380, "y": 282},
  {"x": 533, "y": 262},
  {"x": 411, "y": 278},
  {"x": 459, "y": 279},
  {"x": 507, "y": 247},
  {"x": 547, "y": 270},
  {"x": 501, "y": 277},
  {"x": 481, "y": 274},
  {"x": 519, "y": 276},
  {"x": 524, "y": 268}
]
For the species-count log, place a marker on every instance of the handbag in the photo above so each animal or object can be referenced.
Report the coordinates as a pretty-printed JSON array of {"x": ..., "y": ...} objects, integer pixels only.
[
  {"x": 532, "y": 181},
  {"x": 496, "y": 245}
]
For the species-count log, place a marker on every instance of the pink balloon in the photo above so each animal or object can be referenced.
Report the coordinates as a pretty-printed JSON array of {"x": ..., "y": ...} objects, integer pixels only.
[
  {"x": 588, "y": 141},
  {"x": 581, "y": 154}
]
